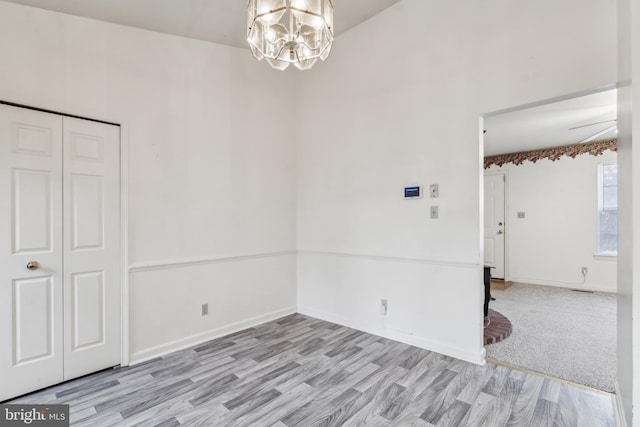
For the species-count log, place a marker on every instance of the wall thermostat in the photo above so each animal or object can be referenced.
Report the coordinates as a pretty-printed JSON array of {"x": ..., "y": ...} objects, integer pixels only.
[{"x": 413, "y": 192}]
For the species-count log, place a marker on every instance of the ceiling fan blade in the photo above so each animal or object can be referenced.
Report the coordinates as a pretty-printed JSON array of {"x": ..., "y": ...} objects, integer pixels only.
[
  {"x": 599, "y": 134},
  {"x": 592, "y": 124}
]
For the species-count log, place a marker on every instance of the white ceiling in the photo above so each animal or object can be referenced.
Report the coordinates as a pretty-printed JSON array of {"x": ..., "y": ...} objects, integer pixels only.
[
  {"x": 218, "y": 21},
  {"x": 560, "y": 123}
]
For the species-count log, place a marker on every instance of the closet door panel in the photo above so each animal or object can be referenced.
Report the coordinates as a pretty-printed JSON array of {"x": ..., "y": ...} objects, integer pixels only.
[
  {"x": 33, "y": 320},
  {"x": 88, "y": 302},
  {"x": 31, "y": 249},
  {"x": 91, "y": 246}
]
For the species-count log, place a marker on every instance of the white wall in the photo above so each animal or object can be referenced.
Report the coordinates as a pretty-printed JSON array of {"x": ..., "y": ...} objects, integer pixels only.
[
  {"x": 398, "y": 103},
  {"x": 211, "y": 174},
  {"x": 559, "y": 234}
]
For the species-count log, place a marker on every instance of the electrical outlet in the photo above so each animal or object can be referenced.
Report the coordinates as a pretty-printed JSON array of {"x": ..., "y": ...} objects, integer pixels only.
[
  {"x": 384, "y": 306},
  {"x": 434, "y": 212},
  {"x": 205, "y": 309},
  {"x": 585, "y": 271}
]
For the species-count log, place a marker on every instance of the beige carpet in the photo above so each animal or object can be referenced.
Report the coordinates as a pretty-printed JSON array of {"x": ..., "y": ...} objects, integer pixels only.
[{"x": 559, "y": 332}]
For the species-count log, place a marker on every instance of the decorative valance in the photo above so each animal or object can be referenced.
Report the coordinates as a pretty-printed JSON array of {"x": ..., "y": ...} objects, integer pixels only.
[{"x": 594, "y": 148}]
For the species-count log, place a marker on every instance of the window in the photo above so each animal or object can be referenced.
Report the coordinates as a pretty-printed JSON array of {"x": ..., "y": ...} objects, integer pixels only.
[{"x": 608, "y": 209}]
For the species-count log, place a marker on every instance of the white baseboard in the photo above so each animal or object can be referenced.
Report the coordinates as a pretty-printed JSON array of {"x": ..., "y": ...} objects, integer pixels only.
[
  {"x": 438, "y": 347},
  {"x": 618, "y": 408},
  {"x": 583, "y": 286},
  {"x": 182, "y": 343}
]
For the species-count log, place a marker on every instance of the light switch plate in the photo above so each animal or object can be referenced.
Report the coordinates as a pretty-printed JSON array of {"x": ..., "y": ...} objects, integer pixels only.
[
  {"x": 434, "y": 212},
  {"x": 434, "y": 190}
]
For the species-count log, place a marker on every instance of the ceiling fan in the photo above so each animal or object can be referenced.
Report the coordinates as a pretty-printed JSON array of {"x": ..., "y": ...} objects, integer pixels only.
[{"x": 599, "y": 133}]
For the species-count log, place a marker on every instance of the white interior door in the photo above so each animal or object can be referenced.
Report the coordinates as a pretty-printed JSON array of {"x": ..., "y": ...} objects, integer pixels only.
[
  {"x": 31, "y": 299},
  {"x": 59, "y": 249},
  {"x": 494, "y": 228},
  {"x": 91, "y": 246}
]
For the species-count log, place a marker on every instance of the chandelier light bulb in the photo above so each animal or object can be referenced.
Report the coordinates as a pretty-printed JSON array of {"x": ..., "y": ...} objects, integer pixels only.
[{"x": 286, "y": 32}]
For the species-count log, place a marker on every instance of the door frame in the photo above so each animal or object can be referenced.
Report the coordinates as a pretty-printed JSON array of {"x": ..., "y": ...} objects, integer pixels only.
[
  {"x": 507, "y": 223},
  {"x": 124, "y": 212}
]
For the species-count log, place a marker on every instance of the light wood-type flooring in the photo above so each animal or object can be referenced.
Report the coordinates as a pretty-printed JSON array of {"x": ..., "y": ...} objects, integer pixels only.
[{"x": 301, "y": 371}]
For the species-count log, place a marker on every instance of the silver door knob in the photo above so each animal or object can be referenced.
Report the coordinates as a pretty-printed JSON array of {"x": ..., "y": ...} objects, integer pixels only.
[
  {"x": 33, "y": 265},
  {"x": 499, "y": 231}
]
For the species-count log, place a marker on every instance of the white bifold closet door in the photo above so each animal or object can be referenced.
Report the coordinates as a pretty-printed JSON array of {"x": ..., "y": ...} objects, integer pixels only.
[{"x": 60, "y": 245}]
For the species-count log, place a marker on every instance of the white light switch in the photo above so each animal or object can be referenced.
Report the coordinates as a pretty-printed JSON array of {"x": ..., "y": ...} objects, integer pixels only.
[
  {"x": 434, "y": 191},
  {"x": 434, "y": 212}
]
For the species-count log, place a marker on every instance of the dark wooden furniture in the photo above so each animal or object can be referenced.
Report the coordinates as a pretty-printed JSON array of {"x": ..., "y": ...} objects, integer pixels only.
[{"x": 487, "y": 289}]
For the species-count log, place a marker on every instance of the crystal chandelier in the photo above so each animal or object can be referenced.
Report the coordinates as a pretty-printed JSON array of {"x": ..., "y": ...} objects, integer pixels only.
[{"x": 287, "y": 32}]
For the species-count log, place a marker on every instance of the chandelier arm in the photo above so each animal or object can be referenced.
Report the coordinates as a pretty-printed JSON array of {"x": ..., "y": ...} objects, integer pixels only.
[{"x": 279, "y": 53}]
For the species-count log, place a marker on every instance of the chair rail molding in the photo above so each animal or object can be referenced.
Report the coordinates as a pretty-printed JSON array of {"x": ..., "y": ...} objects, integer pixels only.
[{"x": 193, "y": 261}]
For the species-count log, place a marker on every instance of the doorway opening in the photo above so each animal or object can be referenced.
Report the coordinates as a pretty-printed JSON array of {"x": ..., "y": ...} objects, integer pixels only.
[{"x": 550, "y": 214}]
